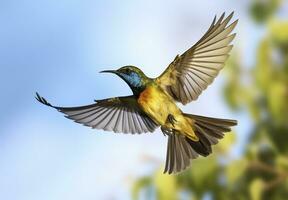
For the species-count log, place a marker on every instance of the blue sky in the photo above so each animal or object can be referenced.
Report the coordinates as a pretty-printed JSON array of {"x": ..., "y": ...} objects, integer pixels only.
[{"x": 57, "y": 48}]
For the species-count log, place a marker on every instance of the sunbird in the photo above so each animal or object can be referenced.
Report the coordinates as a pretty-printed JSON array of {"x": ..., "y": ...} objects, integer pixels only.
[{"x": 154, "y": 100}]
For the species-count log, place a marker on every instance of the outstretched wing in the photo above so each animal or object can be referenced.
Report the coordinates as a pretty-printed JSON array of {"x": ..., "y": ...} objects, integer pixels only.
[
  {"x": 189, "y": 74},
  {"x": 119, "y": 114}
]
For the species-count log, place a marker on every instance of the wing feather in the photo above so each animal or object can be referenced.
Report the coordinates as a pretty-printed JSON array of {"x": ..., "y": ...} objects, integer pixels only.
[
  {"x": 191, "y": 73},
  {"x": 120, "y": 114}
]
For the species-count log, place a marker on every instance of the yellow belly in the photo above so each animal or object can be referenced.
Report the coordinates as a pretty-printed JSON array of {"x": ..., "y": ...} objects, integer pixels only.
[{"x": 158, "y": 105}]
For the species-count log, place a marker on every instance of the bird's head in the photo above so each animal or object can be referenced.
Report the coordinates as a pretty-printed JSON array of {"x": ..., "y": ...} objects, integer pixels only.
[{"x": 133, "y": 76}]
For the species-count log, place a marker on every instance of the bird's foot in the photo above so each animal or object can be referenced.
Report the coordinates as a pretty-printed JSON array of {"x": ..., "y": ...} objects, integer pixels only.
[
  {"x": 171, "y": 119},
  {"x": 166, "y": 132}
]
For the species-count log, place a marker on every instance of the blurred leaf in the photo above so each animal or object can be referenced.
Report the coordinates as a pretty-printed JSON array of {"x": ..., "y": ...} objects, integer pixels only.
[
  {"x": 263, "y": 69},
  {"x": 262, "y": 10},
  {"x": 256, "y": 188},
  {"x": 231, "y": 95},
  {"x": 231, "y": 89},
  {"x": 282, "y": 163},
  {"x": 203, "y": 173},
  {"x": 252, "y": 151},
  {"x": 279, "y": 35},
  {"x": 276, "y": 99},
  {"x": 224, "y": 145},
  {"x": 235, "y": 170},
  {"x": 165, "y": 186},
  {"x": 139, "y": 185},
  {"x": 279, "y": 31},
  {"x": 252, "y": 101}
]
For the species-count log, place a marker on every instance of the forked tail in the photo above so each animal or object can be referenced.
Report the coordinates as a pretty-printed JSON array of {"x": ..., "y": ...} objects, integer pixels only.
[{"x": 180, "y": 149}]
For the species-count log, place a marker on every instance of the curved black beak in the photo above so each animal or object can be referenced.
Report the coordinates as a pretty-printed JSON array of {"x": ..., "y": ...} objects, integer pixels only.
[{"x": 109, "y": 71}]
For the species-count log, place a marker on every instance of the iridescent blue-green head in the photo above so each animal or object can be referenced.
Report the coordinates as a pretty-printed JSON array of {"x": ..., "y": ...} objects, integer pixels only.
[{"x": 133, "y": 76}]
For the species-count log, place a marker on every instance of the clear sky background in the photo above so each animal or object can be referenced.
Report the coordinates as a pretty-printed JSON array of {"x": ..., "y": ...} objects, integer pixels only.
[{"x": 57, "y": 48}]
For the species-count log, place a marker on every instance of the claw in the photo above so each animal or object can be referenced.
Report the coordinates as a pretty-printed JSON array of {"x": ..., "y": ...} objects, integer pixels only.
[
  {"x": 171, "y": 119},
  {"x": 166, "y": 132}
]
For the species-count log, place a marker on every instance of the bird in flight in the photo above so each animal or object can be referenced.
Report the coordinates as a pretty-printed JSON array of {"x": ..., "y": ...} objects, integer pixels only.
[{"x": 153, "y": 103}]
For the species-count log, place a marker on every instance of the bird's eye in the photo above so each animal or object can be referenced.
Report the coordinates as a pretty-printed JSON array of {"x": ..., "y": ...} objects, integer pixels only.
[{"x": 127, "y": 71}]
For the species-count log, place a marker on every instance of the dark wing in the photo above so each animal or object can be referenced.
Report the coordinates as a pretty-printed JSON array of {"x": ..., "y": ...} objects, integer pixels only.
[
  {"x": 119, "y": 114},
  {"x": 189, "y": 74}
]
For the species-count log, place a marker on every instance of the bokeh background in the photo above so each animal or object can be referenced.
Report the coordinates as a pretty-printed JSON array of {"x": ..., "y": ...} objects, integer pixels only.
[{"x": 58, "y": 47}]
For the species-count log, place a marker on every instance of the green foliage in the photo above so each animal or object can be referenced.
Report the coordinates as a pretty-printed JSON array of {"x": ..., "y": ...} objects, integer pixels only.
[
  {"x": 262, "y": 10},
  {"x": 261, "y": 91},
  {"x": 256, "y": 189},
  {"x": 141, "y": 183},
  {"x": 165, "y": 186},
  {"x": 235, "y": 170}
]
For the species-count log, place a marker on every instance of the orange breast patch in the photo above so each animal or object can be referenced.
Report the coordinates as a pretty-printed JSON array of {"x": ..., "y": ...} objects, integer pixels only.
[{"x": 145, "y": 96}]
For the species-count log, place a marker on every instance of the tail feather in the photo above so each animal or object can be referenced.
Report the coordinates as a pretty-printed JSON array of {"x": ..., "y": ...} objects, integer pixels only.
[
  {"x": 181, "y": 150},
  {"x": 211, "y": 120},
  {"x": 203, "y": 146},
  {"x": 179, "y": 154}
]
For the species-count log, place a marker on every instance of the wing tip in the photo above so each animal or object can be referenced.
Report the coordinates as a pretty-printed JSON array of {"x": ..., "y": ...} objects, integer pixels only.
[
  {"x": 42, "y": 100},
  {"x": 236, "y": 22},
  {"x": 229, "y": 17},
  {"x": 233, "y": 122},
  {"x": 231, "y": 14}
]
